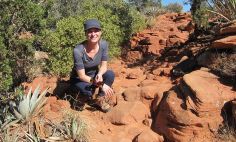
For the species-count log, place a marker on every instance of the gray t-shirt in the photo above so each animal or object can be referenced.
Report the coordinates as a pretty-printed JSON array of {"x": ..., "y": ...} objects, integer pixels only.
[{"x": 83, "y": 61}]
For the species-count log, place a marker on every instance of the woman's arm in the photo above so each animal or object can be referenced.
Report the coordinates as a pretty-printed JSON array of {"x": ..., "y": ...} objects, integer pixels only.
[
  {"x": 79, "y": 66},
  {"x": 102, "y": 70},
  {"x": 82, "y": 76}
]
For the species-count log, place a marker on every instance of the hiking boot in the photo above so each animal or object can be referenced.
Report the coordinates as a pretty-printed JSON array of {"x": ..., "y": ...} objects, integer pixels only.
[{"x": 101, "y": 101}]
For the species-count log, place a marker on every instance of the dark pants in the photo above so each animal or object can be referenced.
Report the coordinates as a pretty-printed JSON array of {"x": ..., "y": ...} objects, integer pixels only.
[{"x": 88, "y": 89}]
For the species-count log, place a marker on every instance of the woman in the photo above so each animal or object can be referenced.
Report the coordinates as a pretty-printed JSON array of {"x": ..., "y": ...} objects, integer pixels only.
[{"x": 90, "y": 64}]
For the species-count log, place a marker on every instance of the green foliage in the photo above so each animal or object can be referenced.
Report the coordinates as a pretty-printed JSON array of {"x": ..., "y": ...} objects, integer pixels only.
[
  {"x": 7, "y": 101},
  {"x": 5, "y": 69},
  {"x": 20, "y": 15},
  {"x": 199, "y": 14},
  {"x": 201, "y": 18},
  {"x": 59, "y": 9},
  {"x": 20, "y": 20},
  {"x": 138, "y": 21},
  {"x": 59, "y": 45},
  {"x": 174, "y": 7},
  {"x": 77, "y": 130}
]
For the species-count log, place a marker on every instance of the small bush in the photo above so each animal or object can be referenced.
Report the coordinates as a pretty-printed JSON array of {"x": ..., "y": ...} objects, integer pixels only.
[
  {"x": 201, "y": 16},
  {"x": 225, "y": 64},
  {"x": 174, "y": 7},
  {"x": 59, "y": 44}
]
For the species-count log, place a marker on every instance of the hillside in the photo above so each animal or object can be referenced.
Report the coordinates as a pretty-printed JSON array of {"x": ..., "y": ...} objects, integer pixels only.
[{"x": 167, "y": 88}]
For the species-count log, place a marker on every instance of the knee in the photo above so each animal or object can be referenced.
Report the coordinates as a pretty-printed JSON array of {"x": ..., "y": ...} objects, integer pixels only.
[{"x": 110, "y": 74}]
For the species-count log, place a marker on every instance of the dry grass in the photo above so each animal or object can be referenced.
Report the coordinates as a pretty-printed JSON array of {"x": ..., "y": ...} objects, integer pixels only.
[
  {"x": 227, "y": 133},
  {"x": 225, "y": 64}
]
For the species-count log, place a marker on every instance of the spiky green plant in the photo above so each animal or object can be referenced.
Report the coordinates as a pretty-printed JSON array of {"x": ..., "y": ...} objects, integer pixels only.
[
  {"x": 30, "y": 104},
  {"x": 78, "y": 130},
  {"x": 72, "y": 128}
]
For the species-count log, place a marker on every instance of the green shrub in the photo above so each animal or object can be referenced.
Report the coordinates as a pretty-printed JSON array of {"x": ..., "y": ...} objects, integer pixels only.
[
  {"x": 5, "y": 70},
  {"x": 138, "y": 21},
  {"x": 59, "y": 45},
  {"x": 17, "y": 19},
  {"x": 200, "y": 15},
  {"x": 201, "y": 18},
  {"x": 174, "y": 7},
  {"x": 59, "y": 9}
]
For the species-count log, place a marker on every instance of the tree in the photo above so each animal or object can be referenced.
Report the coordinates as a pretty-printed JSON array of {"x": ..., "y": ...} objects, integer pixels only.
[{"x": 199, "y": 14}]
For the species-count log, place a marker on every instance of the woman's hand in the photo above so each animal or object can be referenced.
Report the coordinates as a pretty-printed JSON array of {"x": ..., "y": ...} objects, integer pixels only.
[
  {"x": 107, "y": 90},
  {"x": 98, "y": 79}
]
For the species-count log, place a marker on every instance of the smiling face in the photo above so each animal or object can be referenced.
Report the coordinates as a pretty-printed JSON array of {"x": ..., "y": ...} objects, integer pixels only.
[{"x": 93, "y": 35}]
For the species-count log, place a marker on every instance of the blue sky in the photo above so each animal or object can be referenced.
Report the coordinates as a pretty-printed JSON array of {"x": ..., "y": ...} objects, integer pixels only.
[{"x": 185, "y": 7}]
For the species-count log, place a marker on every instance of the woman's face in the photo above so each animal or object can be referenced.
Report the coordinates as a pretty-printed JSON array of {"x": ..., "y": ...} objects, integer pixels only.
[{"x": 93, "y": 35}]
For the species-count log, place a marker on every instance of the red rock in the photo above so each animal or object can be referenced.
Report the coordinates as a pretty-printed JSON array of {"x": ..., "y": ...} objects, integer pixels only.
[
  {"x": 53, "y": 110},
  {"x": 228, "y": 29},
  {"x": 149, "y": 92},
  {"x": 228, "y": 42},
  {"x": 132, "y": 94},
  {"x": 192, "y": 111},
  {"x": 149, "y": 136},
  {"x": 128, "y": 112},
  {"x": 133, "y": 55}
]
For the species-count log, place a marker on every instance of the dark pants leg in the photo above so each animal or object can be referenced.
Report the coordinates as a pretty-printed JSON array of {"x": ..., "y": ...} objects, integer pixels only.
[
  {"x": 88, "y": 89},
  {"x": 84, "y": 88},
  {"x": 108, "y": 77}
]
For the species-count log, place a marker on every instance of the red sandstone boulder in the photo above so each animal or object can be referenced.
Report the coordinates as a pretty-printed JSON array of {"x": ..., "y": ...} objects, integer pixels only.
[
  {"x": 132, "y": 94},
  {"x": 128, "y": 112},
  {"x": 192, "y": 110},
  {"x": 224, "y": 43}
]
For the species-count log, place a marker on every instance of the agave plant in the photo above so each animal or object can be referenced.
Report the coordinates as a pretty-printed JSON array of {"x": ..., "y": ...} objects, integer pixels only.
[
  {"x": 76, "y": 130},
  {"x": 30, "y": 104}
]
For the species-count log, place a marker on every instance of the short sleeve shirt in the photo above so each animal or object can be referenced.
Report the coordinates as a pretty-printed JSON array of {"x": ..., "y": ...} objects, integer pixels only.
[{"x": 83, "y": 61}]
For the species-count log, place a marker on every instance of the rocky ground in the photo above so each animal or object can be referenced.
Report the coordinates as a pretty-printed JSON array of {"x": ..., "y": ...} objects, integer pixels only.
[{"x": 164, "y": 88}]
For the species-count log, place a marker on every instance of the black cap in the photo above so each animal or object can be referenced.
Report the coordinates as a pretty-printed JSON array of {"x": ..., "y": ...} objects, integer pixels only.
[{"x": 92, "y": 23}]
